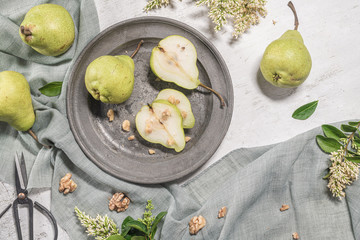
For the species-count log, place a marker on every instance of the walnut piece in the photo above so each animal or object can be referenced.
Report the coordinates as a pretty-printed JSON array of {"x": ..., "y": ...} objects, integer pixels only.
[
  {"x": 284, "y": 207},
  {"x": 295, "y": 235},
  {"x": 187, "y": 139},
  {"x": 126, "y": 125},
  {"x": 173, "y": 100},
  {"x": 66, "y": 184},
  {"x": 183, "y": 114},
  {"x": 132, "y": 137},
  {"x": 110, "y": 115},
  {"x": 151, "y": 151},
  {"x": 196, "y": 224},
  {"x": 222, "y": 212},
  {"x": 119, "y": 202}
]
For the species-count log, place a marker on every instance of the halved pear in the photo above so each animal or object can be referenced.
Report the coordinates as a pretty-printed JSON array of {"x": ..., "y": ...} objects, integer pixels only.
[
  {"x": 161, "y": 122},
  {"x": 174, "y": 60},
  {"x": 179, "y": 99}
]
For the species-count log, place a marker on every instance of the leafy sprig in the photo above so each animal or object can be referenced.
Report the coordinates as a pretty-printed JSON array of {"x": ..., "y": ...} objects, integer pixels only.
[
  {"x": 343, "y": 145},
  {"x": 243, "y": 13}
]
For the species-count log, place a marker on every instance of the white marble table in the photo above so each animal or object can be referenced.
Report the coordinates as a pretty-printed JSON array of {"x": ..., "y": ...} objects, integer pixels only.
[{"x": 262, "y": 113}]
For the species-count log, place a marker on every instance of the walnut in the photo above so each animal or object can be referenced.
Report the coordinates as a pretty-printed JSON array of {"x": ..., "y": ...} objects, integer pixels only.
[
  {"x": 119, "y": 202},
  {"x": 132, "y": 137},
  {"x": 151, "y": 151},
  {"x": 66, "y": 184},
  {"x": 148, "y": 128},
  {"x": 187, "y": 139},
  {"x": 284, "y": 207},
  {"x": 170, "y": 141},
  {"x": 295, "y": 235},
  {"x": 173, "y": 100},
  {"x": 196, "y": 224},
  {"x": 126, "y": 125},
  {"x": 166, "y": 114},
  {"x": 110, "y": 115},
  {"x": 222, "y": 212}
]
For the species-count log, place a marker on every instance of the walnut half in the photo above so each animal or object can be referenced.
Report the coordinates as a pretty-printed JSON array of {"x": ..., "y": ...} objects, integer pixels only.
[
  {"x": 222, "y": 212},
  {"x": 119, "y": 202},
  {"x": 66, "y": 184},
  {"x": 196, "y": 224}
]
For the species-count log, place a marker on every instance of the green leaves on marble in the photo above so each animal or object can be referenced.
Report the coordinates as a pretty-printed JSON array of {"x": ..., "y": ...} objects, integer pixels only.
[{"x": 305, "y": 111}]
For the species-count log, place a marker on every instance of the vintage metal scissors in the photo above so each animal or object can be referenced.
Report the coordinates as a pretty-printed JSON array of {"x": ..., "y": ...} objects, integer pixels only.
[{"x": 22, "y": 199}]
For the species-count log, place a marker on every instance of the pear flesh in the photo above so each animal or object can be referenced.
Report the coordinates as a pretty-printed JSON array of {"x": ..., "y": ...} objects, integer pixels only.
[
  {"x": 286, "y": 61},
  {"x": 48, "y": 28},
  {"x": 179, "y": 99},
  {"x": 15, "y": 101},
  {"x": 161, "y": 122},
  {"x": 110, "y": 79},
  {"x": 174, "y": 60}
]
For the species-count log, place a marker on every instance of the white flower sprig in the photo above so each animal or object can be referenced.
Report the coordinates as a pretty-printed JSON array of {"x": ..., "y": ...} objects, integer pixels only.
[
  {"x": 243, "y": 13},
  {"x": 341, "y": 173},
  {"x": 100, "y": 227}
]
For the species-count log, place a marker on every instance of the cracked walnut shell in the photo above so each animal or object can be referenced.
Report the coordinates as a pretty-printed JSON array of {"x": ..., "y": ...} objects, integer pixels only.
[
  {"x": 119, "y": 202},
  {"x": 196, "y": 224},
  {"x": 66, "y": 184},
  {"x": 222, "y": 212}
]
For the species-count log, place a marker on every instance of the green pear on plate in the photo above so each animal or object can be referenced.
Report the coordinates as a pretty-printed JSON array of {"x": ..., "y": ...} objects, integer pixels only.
[
  {"x": 179, "y": 99},
  {"x": 110, "y": 79},
  {"x": 48, "y": 28},
  {"x": 161, "y": 122},
  {"x": 286, "y": 61},
  {"x": 174, "y": 60},
  {"x": 15, "y": 101}
]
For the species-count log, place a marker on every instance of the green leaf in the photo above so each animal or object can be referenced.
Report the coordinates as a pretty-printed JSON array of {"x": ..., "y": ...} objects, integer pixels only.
[
  {"x": 51, "y": 89},
  {"x": 156, "y": 222},
  {"x": 357, "y": 142},
  {"x": 354, "y": 124},
  {"x": 355, "y": 159},
  {"x": 153, "y": 232},
  {"x": 125, "y": 229},
  {"x": 137, "y": 225},
  {"x": 305, "y": 111},
  {"x": 348, "y": 128},
  {"x": 328, "y": 145},
  {"x": 138, "y": 238},
  {"x": 333, "y": 132},
  {"x": 116, "y": 237}
]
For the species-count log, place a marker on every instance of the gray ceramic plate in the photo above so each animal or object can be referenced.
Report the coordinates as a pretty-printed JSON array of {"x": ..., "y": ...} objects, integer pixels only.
[{"x": 107, "y": 145}]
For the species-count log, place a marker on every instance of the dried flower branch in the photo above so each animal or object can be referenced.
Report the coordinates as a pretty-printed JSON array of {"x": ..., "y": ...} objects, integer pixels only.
[
  {"x": 100, "y": 227},
  {"x": 243, "y": 13}
]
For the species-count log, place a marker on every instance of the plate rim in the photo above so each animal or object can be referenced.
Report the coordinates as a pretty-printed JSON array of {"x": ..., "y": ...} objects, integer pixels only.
[{"x": 194, "y": 33}]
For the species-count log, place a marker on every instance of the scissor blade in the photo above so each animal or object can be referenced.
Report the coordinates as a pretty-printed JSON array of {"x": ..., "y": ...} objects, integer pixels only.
[
  {"x": 19, "y": 173},
  {"x": 23, "y": 170}
]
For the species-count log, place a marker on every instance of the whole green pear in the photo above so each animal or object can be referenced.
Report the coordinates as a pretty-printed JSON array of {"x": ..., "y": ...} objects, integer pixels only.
[
  {"x": 15, "y": 101},
  {"x": 110, "y": 79},
  {"x": 286, "y": 61},
  {"x": 48, "y": 28}
]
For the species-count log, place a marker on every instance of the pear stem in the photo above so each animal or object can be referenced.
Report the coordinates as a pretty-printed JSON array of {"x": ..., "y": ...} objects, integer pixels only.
[
  {"x": 215, "y": 92},
  {"x": 36, "y": 138},
  {"x": 291, "y": 6},
  {"x": 137, "y": 48}
]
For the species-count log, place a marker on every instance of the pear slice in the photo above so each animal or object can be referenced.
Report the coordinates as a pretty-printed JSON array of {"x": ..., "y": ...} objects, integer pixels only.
[
  {"x": 161, "y": 122},
  {"x": 179, "y": 99},
  {"x": 174, "y": 60}
]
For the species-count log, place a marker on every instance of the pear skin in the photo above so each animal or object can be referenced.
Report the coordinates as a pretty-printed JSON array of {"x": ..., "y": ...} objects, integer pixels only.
[
  {"x": 15, "y": 101},
  {"x": 110, "y": 79},
  {"x": 286, "y": 61},
  {"x": 48, "y": 28}
]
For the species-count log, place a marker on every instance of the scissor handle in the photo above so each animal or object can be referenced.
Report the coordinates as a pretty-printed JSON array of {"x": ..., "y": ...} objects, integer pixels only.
[
  {"x": 17, "y": 218},
  {"x": 42, "y": 209}
]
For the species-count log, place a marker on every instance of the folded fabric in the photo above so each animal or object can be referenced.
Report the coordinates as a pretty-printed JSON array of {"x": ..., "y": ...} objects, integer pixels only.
[{"x": 252, "y": 183}]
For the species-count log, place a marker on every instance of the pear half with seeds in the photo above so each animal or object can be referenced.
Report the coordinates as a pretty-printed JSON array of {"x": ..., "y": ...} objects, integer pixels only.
[
  {"x": 174, "y": 60},
  {"x": 161, "y": 122},
  {"x": 179, "y": 99}
]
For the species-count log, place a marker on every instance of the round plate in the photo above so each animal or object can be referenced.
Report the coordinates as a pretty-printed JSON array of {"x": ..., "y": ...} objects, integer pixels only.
[{"x": 107, "y": 145}]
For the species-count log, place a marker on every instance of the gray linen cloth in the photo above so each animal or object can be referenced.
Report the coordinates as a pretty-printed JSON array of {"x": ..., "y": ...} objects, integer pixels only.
[{"x": 252, "y": 183}]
